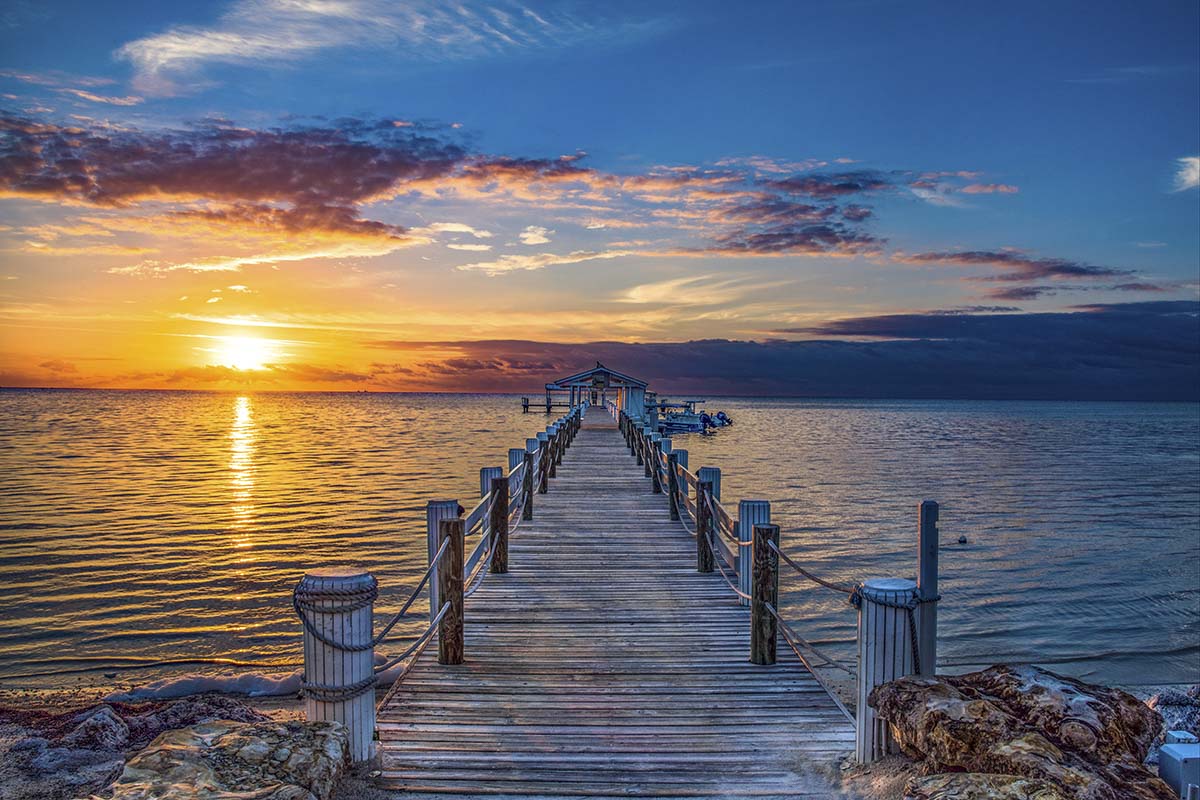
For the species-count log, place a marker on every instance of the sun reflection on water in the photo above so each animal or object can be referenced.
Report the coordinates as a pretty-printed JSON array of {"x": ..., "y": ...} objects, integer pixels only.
[{"x": 241, "y": 468}]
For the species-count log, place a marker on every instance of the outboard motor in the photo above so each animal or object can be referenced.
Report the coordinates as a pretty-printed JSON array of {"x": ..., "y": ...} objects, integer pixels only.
[
  {"x": 707, "y": 421},
  {"x": 723, "y": 418}
]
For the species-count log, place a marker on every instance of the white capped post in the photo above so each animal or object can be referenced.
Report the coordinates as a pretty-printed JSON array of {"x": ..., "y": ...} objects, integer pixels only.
[
  {"x": 884, "y": 654},
  {"x": 485, "y": 479},
  {"x": 750, "y": 513},
  {"x": 336, "y": 607}
]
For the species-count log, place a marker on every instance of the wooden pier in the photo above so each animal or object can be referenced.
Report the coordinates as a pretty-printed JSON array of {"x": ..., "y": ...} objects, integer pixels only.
[
  {"x": 612, "y": 630},
  {"x": 602, "y": 663}
]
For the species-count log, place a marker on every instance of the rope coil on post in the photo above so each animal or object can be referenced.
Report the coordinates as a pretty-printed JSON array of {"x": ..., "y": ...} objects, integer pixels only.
[
  {"x": 302, "y": 603},
  {"x": 337, "y": 694},
  {"x": 909, "y": 607}
]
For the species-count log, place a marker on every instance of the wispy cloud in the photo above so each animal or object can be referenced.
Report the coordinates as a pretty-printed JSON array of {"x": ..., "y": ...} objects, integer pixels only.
[
  {"x": 283, "y": 31},
  {"x": 989, "y": 188},
  {"x": 535, "y": 234},
  {"x": 128, "y": 100},
  {"x": 517, "y": 263},
  {"x": 1187, "y": 173},
  {"x": 1015, "y": 265}
]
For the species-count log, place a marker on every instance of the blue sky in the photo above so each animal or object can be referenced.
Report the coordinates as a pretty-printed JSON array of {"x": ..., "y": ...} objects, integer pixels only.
[{"x": 744, "y": 173}]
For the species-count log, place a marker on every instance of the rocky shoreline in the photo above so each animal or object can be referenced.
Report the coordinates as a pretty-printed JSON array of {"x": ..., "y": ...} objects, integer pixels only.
[{"x": 1005, "y": 732}]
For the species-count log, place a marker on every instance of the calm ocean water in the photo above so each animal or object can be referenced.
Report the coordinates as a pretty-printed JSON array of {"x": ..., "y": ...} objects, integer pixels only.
[{"x": 153, "y": 533}]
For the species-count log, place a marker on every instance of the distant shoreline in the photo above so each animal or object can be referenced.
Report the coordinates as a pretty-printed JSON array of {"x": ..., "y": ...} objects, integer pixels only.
[{"x": 666, "y": 393}]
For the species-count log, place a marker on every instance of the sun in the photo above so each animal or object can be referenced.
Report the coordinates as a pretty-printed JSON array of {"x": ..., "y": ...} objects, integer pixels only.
[{"x": 244, "y": 352}]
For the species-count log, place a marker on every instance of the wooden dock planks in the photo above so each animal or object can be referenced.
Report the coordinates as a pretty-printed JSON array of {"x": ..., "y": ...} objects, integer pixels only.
[{"x": 603, "y": 664}]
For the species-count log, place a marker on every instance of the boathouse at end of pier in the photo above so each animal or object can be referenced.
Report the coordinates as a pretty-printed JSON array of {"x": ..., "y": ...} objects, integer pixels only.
[{"x": 598, "y": 386}]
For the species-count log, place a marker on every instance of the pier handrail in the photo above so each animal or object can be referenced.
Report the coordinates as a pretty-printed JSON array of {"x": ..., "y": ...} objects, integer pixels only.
[
  {"x": 448, "y": 579},
  {"x": 885, "y": 607}
]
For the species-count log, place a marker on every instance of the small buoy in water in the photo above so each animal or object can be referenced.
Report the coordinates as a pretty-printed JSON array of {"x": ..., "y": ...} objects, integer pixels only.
[{"x": 962, "y": 540}]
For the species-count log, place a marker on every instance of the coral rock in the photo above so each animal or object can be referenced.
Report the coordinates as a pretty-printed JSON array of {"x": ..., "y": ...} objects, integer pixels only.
[
  {"x": 101, "y": 729},
  {"x": 228, "y": 760},
  {"x": 981, "y": 786},
  {"x": 1086, "y": 741}
]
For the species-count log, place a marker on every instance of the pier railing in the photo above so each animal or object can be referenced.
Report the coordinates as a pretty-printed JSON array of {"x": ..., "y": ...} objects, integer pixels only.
[
  {"x": 336, "y": 606},
  {"x": 897, "y": 617}
]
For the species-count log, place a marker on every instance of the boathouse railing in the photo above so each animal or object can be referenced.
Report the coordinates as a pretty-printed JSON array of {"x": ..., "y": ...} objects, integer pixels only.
[
  {"x": 897, "y": 617},
  {"x": 336, "y": 606}
]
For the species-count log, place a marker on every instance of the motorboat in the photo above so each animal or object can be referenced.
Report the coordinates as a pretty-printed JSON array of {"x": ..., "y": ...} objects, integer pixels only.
[{"x": 684, "y": 417}]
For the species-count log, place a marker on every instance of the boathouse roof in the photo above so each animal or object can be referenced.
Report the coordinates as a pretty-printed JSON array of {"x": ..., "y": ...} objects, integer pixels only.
[{"x": 609, "y": 377}]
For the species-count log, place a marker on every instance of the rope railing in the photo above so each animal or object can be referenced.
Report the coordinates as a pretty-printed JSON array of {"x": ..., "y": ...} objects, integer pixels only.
[
  {"x": 411, "y": 654},
  {"x": 790, "y": 633},
  {"x": 721, "y": 569},
  {"x": 304, "y": 605},
  {"x": 479, "y": 514},
  {"x": 724, "y": 522},
  {"x": 846, "y": 590}
]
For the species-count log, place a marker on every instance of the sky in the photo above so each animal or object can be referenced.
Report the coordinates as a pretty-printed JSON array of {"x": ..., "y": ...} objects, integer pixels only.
[{"x": 797, "y": 198}]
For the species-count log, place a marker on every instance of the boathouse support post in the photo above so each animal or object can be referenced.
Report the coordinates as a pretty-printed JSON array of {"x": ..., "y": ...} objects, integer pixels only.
[
  {"x": 704, "y": 521},
  {"x": 543, "y": 467},
  {"x": 884, "y": 654},
  {"x": 338, "y": 605},
  {"x": 764, "y": 592},
  {"x": 927, "y": 585},
  {"x": 486, "y": 474},
  {"x": 673, "y": 484},
  {"x": 450, "y": 592},
  {"x": 655, "y": 457},
  {"x": 499, "y": 526},
  {"x": 529, "y": 482},
  {"x": 435, "y": 512},
  {"x": 750, "y": 513}
]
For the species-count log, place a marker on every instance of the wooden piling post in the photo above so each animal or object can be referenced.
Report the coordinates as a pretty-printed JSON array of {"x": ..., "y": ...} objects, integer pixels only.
[
  {"x": 450, "y": 591},
  {"x": 704, "y": 521},
  {"x": 750, "y": 513},
  {"x": 499, "y": 525},
  {"x": 673, "y": 484},
  {"x": 655, "y": 458},
  {"x": 884, "y": 654},
  {"x": 552, "y": 451},
  {"x": 338, "y": 605},
  {"x": 543, "y": 456},
  {"x": 927, "y": 585},
  {"x": 646, "y": 449},
  {"x": 486, "y": 474},
  {"x": 435, "y": 512},
  {"x": 527, "y": 486},
  {"x": 764, "y": 592}
]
